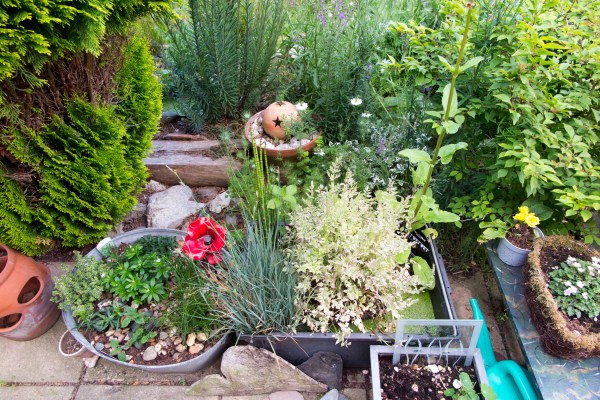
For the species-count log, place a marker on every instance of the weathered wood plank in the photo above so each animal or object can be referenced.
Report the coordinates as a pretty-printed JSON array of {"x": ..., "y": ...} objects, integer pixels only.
[{"x": 189, "y": 162}]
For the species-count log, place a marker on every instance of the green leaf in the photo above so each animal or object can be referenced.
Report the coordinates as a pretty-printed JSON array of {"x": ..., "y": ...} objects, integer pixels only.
[
  {"x": 446, "y": 98},
  {"x": 446, "y": 63},
  {"x": 503, "y": 97},
  {"x": 471, "y": 63},
  {"x": 415, "y": 155},
  {"x": 291, "y": 190},
  {"x": 420, "y": 173},
  {"x": 402, "y": 258},
  {"x": 487, "y": 392},
  {"x": 423, "y": 272},
  {"x": 447, "y": 151},
  {"x": 466, "y": 381},
  {"x": 430, "y": 232},
  {"x": 586, "y": 215}
]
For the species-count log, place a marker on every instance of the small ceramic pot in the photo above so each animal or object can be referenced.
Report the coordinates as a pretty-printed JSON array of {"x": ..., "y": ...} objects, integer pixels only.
[
  {"x": 513, "y": 255},
  {"x": 276, "y": 115}
]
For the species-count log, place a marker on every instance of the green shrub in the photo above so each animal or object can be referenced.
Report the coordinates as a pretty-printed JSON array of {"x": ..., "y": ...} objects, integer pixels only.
[
  {"x": 67, "y": 178},
  {"x": 219, "y": 58}
]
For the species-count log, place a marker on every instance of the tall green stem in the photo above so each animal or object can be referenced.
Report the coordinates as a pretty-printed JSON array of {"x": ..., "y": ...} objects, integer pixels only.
[{"x": 442, "y": 134}]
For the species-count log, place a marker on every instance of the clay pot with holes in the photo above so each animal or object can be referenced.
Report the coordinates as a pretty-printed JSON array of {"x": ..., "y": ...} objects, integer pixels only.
[
  {"x": 26, "y": 311},
  {"x": 276, "y": 116}
]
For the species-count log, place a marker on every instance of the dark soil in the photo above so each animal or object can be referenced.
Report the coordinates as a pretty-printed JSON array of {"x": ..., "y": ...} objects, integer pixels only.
[
  {"x": 406, "y": 382},
  {"x": 182, "y": 126},
  {"x": 552, "y": 256},
  {"x": 70, "y": 345},
  {"x": 521, "y": 236}
]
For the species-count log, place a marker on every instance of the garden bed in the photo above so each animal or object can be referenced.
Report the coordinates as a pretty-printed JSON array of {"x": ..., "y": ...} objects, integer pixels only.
[{"x": 297, "y": 348}]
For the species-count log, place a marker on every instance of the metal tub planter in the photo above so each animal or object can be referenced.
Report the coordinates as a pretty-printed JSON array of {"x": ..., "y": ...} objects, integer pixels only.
[
  {"x": 202, "y": 361},
  {"x": 298, "y": 347}
]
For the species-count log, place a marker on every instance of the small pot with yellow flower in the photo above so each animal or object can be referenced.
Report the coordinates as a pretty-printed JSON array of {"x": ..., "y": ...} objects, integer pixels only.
[{"x": 516, "y": 239}]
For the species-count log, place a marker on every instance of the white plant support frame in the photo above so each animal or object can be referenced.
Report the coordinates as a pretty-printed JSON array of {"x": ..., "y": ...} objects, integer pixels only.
[{"x": 439, "y": 349}]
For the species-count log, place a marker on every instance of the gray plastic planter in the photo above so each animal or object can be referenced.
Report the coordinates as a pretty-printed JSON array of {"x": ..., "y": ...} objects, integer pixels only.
[
  {"x": 202, "y": 361},
  {"x": 513, "y": 255},
  {"x": 299, "y": 347}
]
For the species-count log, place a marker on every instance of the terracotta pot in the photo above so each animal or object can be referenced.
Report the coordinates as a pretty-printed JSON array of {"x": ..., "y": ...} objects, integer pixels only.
[
  {"x": 289, "y": 154},
  {"x": 26, "y": 311},
  {"x": 275, "y": 115}
]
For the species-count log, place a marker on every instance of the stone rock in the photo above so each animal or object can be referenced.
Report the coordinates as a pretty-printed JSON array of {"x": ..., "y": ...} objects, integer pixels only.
[
  {"x": 244, "y": 369},
  {"x": 168, "y": 117},
  {"x": 191, "y": 339},
  {"x": 163, "y": 335},
  {"x": 170, "y": 208},
  {"x": 180, "y": 348},
  {"x": 219, "y": 203},
  {"x": 231, "y": 220},
  {"x": 207, "y": 193},
  {"x": 154, "y": 187},
  {"x": 150, "y": 354},
  {"x": 197, "y": 348},
  {"x": 333, "y": 394},
  {"x": 177, "y": 341},
  {"x": 324, "y": 367},
  {"x": 201, "y": 337},
  {"x": 286, "y": 395}
]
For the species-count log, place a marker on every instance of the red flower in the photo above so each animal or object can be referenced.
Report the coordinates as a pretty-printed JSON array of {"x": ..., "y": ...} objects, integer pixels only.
[{"x": 204, "y": 239}]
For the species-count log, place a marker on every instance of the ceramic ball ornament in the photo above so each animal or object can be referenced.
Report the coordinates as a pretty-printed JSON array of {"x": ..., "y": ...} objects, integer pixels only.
[{"x": 274, "y": 116}]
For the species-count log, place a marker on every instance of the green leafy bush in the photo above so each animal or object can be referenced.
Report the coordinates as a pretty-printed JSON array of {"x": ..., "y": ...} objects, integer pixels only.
[
  {"x": 352, "y": 264},
  {"x": 66, "y": 179},
  {"x": 219, "y": 57}
]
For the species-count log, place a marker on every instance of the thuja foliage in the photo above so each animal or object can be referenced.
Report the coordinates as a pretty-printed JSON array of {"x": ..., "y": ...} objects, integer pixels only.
[
  {"x": 70, "y": 168},
  {"x": 219, "y": 58}
]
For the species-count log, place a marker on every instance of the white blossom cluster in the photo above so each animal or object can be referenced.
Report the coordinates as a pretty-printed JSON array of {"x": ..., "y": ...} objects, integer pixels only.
[{"x": 343, "y": 248}]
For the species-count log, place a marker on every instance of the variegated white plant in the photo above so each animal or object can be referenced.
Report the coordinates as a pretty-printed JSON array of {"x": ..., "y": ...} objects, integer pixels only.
[{"x": 352, "y": 264}]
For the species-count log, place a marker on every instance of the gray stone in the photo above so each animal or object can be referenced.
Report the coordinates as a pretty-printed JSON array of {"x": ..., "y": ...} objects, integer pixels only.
[
  {"x": 219, "y": 203},
  {"x": 245, "y": 370},
  {"x": 168, "y": 117},
  {"x": 325, "y": 367},
  {"x": 207, "y": 193},
  {"x": 154, "y": 186},
  {"x": 286, "y": 395},
  {"x": 170, "y": 208},
  {"x": 333, "y": 394},
  {"x": 150, "y": 354}
]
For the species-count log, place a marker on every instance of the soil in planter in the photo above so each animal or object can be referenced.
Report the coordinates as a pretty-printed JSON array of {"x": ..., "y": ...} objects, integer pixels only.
[
  {"x": 416, "y": 382},
  {"x": 552, "y": 256},
  {"x": 69, "y": 344},
  {"x": 521, "y": 236}
]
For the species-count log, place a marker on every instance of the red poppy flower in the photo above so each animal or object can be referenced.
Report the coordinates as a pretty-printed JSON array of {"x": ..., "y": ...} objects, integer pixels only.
[{"x": 204, "y": 239}]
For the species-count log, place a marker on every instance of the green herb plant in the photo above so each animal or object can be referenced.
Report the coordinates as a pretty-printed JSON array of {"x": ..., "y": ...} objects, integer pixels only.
[{"x": 467, "y": 390}]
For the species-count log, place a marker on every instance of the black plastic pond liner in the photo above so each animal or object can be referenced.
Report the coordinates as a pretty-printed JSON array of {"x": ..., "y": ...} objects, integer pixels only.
[{"x": 299, "y": 347}]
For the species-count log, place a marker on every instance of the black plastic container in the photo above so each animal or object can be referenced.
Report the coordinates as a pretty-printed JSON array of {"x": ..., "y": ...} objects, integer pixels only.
[{"x": 299, "y": 347}]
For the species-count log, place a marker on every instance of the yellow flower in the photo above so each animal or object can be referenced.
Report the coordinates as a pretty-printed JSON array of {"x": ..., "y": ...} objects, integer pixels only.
[
  {"x": 531, "y": 220},
  {"x": 523, "y": 212}
]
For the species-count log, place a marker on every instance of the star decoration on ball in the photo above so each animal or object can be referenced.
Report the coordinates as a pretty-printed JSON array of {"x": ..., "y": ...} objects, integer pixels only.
[{"x": 277, "y": 121}]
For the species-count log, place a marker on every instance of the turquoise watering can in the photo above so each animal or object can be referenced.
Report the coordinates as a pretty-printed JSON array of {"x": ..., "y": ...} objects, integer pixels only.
[{"x": 507, "y": 378}]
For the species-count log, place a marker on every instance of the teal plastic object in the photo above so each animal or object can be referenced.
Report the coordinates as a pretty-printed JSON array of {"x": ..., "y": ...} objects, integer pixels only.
[{"x": 508, "y": 379}]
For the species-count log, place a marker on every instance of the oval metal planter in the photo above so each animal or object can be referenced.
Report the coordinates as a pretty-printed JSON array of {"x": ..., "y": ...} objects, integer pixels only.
[{"x": 202, "y": 361}]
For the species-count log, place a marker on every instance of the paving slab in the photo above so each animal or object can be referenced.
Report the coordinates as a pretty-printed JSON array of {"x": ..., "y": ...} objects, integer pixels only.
[
  {"x": 36, "y": 392},
  {"x": 355, "y": 394},
  {"x": 109, "y": 392},
  {"x": 106, "y": 372},
  {"x": 38, "y": 360}
]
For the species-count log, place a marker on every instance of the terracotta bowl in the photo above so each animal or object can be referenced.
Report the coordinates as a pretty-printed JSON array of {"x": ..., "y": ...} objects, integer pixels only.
[{"x": 288, "y": 154}]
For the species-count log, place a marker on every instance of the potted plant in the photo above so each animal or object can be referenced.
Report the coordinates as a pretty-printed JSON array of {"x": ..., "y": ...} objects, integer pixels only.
[
  {"x": 349, "y": 261},
  {"x": 446, "y": 369},
  {"x": 128, "y": 300},
  {"x": 282, "y": 129},
  {"x": 516, "y": 239},
  {"x": 562, "y": 289}
]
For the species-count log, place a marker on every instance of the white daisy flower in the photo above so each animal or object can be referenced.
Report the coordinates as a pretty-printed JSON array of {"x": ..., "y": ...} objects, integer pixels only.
[
  {"x": 301, "y": 106},
  {"x": 356, "y": 101},
  {"x": 365, "y": 115}
]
